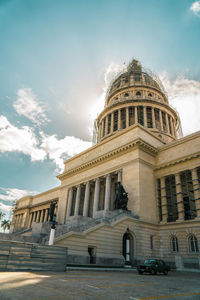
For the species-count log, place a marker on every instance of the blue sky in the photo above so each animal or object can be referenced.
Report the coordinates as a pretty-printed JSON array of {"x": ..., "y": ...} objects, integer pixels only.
[{"x": 56, "y": 59}]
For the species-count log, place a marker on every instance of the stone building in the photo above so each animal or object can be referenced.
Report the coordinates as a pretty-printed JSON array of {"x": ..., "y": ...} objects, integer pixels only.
[{"x": 139, "y": 145}]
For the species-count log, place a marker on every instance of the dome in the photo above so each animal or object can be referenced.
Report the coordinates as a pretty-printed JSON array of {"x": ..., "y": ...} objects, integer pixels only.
[
  {"x": 137, "y": 96},
  {"x": 136, "y": 76}
]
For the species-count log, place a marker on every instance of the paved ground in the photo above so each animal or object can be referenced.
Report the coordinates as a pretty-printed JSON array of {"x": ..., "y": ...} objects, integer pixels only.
[{"x": 98, "y": 285}]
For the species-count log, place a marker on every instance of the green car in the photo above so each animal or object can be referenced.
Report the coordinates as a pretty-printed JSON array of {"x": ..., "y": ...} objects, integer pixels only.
[{"x": 153, "y": 266}]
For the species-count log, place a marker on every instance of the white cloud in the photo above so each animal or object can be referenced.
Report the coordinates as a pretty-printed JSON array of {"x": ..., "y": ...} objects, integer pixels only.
[
  {"x": 27, "y": 105},
  {"x": 195, "y": 7},
  {"x": 5, "y": 208},
  {"x": 13, "y": 194},
  {"x": 60, "y": 150},
  {"x": 111, "y": 72},
  {"x": 184, "y": 95},
  {"x": 22, "y": 140}
]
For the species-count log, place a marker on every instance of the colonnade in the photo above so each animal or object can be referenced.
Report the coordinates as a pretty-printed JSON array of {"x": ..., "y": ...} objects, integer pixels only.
[
  {"x": 18, "y": 220},
  {"x": 75, "y": 195},
  {"x": 184, "y": 206},
  {"x": 147, "y": 116}
]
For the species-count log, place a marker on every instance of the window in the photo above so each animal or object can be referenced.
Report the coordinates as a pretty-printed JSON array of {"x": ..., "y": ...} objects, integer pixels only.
[
  {"x": 126, "y": 94},
  {"x": 138, "y": 94},
  {"x": 109, "y": 123},
  {"x": 150, "y": 95},
  {"x": 193, "y": 244},
  {"x": 115, "y": 125},
  {"x": 188, "y": 195},
  {"x": 131, "y": 115},
  {"x": 159, "y": 199},
  {"x": 149, "y": 117},
  {"x": 174, "y": 244},
  {"x": 137, "y": 77},
  {"x": 126, "y": 80},
  {"x": 123, "y": 118},
  {"x": 170, "y": 189},
  {"x": 146, "y": 78},
  {"x": 151, "y": 241},
  {"x": 140, "y": 115}
]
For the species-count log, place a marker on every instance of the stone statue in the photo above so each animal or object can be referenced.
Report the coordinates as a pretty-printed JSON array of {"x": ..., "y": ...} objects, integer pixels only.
[
  {"x": 51, "y": 211},
  {"x": 121, "y": 197}
]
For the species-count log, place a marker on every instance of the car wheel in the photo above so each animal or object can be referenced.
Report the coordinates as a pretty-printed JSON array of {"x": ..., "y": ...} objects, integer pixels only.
[
  {"x": 140, "y": 272},
  {"x": 153, "y": 272},
  {"x": 165, "y": 272}
]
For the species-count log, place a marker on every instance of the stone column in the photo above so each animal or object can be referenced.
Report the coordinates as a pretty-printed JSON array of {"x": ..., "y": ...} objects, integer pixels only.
[
  {"x": 145, "y": 116},
  {"x": 106, "y": 127},
  {"x": 86, "y": 200},
  {"x": 77, "y": 203},
  {"x": 127, "y": 117},
  {"x": 69, "y": 203},
  {"x": 161, "y": 120},
  {"x": 167, "y": 123},
  {"x": 153, "y": 118},
  {"x": 172, "y": 127},
  {"x": 119, "y": 176},
  {"x": 107, "y": 192},
  {"x": 96, "y": 196},
  {"x": 163, "y": 200},
  {"x": 30, "y": 218},
  {"x": 46, "y": 215},
  {"x": 119, "y": 119},
  {"x": 38, "y": 216},
  {"x": 112, "y": 121},
  {"x": 196, "y": 187},
  {"x": 179, "y": 198},
  {"x": 41, "y": 216},
  {"x": 136, "y": 115}
]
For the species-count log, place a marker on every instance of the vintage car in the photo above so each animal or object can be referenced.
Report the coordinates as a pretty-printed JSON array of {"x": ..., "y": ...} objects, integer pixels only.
[{"x": 153, "y": 266}]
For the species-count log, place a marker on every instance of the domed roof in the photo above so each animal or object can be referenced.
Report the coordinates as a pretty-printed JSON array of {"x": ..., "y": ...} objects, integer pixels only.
[{"x": 135, "y": 76}]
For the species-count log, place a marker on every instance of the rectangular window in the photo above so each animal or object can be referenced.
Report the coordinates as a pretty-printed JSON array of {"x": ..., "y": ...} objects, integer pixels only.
[
  {"x": 140, "y": 115},
  {"x": 157, "y": 118},
  {"x": 164, "y": 121},
  {"x": 137, "y": 77},
  {"x": 159, "y": 199},
  {"x": 188, "y": 195},
  {"x": 123, "y": 118},
  {"x": 131, "y": 113},
  {"x": 149, "y": 117},
  {"x": 73, "y": 202},
  {"x": 151, "y": 242},
  {"x": 170, "y": 189},
  {"x": 115, "y": 125},
  {"x": 109, "y": 123}
]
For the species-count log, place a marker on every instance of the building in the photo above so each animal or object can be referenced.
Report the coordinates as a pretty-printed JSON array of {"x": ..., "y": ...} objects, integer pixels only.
[{"x": 138, "y": 145}]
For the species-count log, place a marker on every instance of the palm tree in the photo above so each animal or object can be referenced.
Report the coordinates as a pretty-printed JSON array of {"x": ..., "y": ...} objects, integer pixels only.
[
  {"x": 5, "y": 224},
  {"x": 1, "y": 215}
]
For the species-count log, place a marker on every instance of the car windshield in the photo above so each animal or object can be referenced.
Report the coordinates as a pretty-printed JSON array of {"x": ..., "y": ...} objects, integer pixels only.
[{"x": 149, "y": 261}]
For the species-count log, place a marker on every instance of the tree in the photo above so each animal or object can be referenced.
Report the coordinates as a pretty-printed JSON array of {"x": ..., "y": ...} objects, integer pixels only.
[
  {"x": 2, "y": 215},
  {"x": 5, "y": 224}
]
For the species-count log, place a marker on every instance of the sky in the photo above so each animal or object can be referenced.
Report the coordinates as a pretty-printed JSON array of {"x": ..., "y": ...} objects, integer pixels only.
[{"x": 57, "y": 59}]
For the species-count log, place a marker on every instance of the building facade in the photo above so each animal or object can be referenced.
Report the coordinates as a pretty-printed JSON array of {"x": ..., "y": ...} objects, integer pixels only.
[{"x": 139, "y": 144}]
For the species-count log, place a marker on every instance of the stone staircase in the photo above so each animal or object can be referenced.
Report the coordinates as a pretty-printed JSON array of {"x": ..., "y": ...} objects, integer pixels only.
[
  {"x": 15, "y": 256},
  {"x": 80, "y": 225}
]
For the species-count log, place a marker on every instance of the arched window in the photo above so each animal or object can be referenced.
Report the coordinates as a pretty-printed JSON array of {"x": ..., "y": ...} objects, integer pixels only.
[
  {"x": 138, "y": 94},
  {"x": 126, "y": 94},
  {"x": 193, "y": 244},
  {"x": 174, "y": 244},
  {"x": 150, "y": 95}
]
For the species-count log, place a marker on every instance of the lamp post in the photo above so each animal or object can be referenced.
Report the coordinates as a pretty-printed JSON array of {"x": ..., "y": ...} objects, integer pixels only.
[{"x": 128, "y": 260}]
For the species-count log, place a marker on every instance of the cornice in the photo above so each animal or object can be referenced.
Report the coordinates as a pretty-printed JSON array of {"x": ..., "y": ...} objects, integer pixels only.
[
  {"x": 138, "y": 143},
  {"x": 177, "y": 161}
]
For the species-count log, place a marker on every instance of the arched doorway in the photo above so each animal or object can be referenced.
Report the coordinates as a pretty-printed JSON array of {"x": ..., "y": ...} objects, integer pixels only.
[{"x": 128, "y": 247}]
